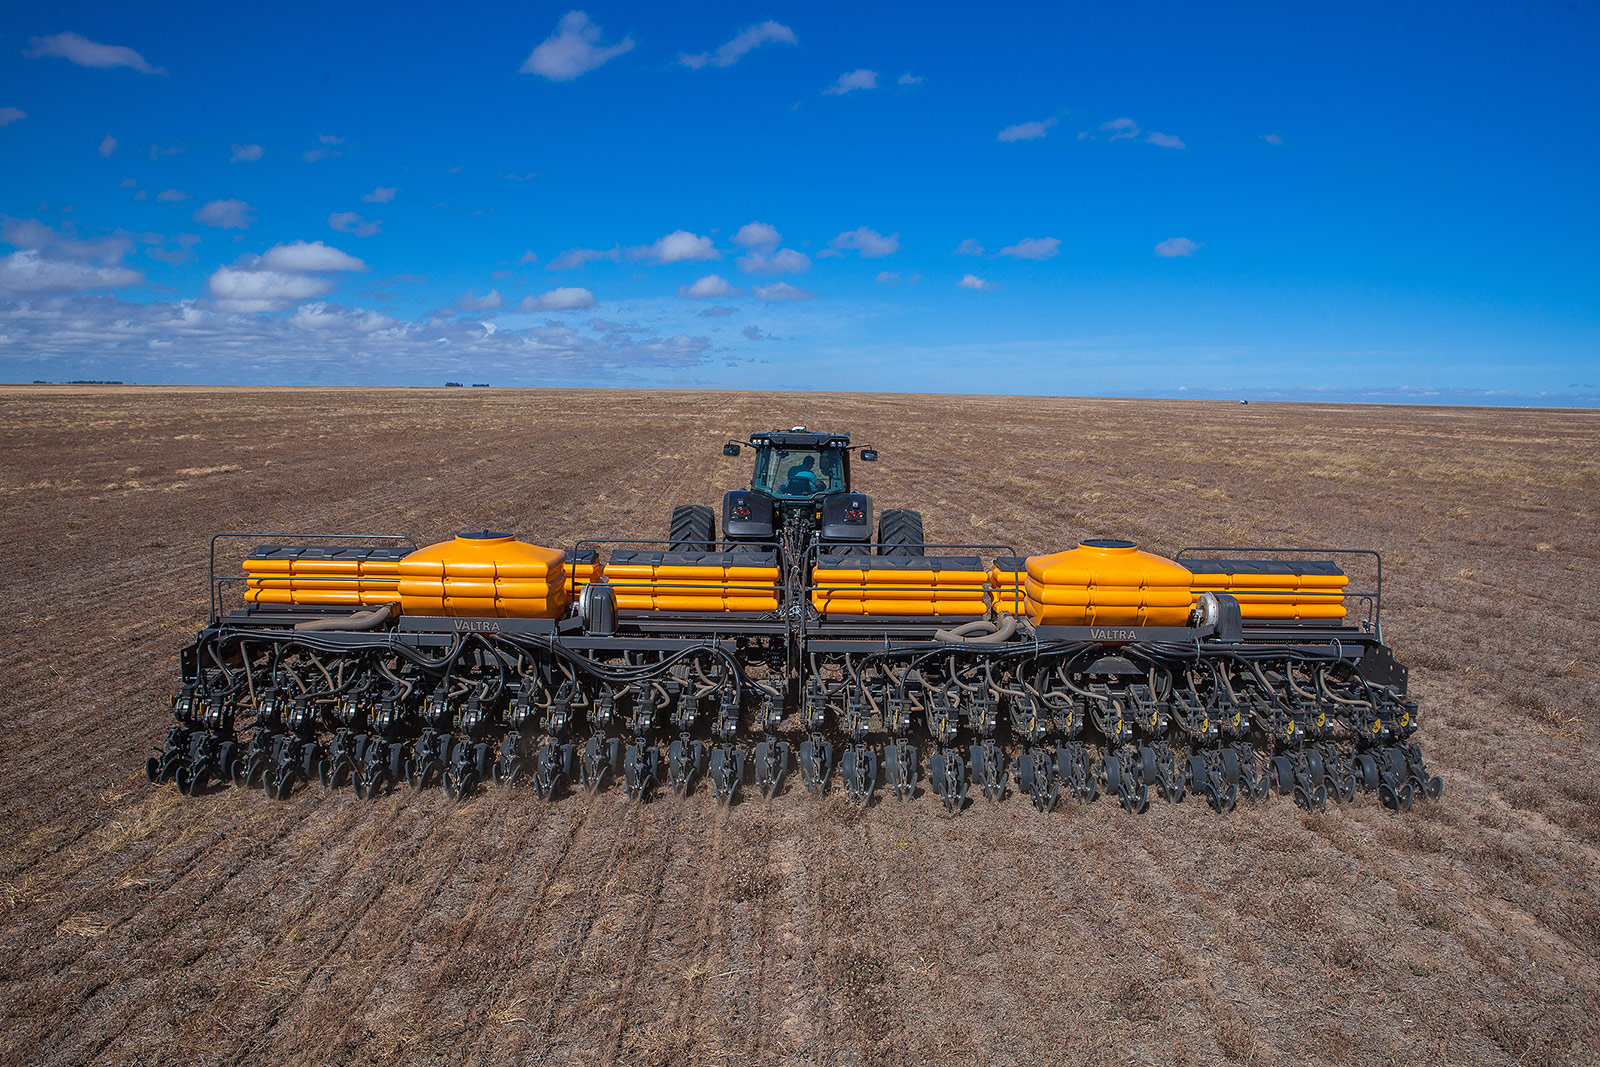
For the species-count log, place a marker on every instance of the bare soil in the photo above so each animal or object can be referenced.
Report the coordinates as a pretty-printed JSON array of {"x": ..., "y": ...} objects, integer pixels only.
[{"x": 136, "y": 925}]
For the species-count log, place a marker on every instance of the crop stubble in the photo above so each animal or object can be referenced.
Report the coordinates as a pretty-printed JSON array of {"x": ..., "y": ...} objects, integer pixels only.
[{"x": 135, "y": 925}]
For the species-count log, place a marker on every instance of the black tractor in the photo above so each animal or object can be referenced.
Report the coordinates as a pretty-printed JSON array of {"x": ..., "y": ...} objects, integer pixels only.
[{"x": 800, "y": 493}]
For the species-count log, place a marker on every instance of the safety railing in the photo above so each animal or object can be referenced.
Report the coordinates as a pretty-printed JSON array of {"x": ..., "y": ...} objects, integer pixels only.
[
  {"x": 215, "y": 583},
  {"x": 1368, "y": 602},
  {"x": 836, "y": 556}
]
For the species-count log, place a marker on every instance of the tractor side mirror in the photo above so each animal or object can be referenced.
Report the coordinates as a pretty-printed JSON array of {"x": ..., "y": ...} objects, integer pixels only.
[
  {"x": 869, "y": 455},
  {"x": 730, "y": 449}
]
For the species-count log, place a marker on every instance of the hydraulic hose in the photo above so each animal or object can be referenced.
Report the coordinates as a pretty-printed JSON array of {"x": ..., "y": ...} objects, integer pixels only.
[
  {"x": 980, "y": 632},
  {"x": 361, "y": 620}
]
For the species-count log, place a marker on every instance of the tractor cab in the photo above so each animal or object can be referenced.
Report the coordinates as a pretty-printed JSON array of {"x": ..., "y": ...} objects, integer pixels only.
[{"x": 798, "y": 466}]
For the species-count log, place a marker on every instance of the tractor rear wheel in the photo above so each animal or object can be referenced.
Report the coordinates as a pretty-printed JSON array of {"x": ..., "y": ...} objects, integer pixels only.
[
  {"x": 900, "y": 532},
  {"x": 694, "y": 528}
]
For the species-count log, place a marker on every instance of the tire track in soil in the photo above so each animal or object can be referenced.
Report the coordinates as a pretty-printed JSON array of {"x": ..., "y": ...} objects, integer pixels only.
[
  {"x": 585, "y": 924},
  {"x": 709, "y": 918},
  {"x": 625, "y": 995},
  {"x": 534, "y": 916},
  {"x": 247, "y": 858},
  {"x": 439, "y": 828}
]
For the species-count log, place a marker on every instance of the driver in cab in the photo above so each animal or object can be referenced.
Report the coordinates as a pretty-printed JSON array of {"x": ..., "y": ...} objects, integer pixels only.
[{"x": 804, "y": 479}]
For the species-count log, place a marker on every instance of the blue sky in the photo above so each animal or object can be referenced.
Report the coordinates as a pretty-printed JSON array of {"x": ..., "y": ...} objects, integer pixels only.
[{"x": 1393, "y": 202}]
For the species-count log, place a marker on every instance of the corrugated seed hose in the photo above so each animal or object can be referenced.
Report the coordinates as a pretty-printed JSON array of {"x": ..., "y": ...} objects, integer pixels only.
[
  {"x": 980, "y": 632},
  {"x": 361, "y": 620}
]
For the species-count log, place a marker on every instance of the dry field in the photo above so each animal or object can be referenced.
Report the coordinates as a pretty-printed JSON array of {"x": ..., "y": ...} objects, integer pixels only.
[{"x": 138, "y": 926}]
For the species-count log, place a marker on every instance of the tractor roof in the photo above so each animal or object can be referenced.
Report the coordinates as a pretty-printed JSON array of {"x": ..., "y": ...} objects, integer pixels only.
[{"x": 800, "y": 438}]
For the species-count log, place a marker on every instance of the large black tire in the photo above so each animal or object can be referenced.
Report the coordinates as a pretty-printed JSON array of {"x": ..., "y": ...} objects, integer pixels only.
[
  {"x": 900, "y": 532},
  {"x": 694, "y": 528}
]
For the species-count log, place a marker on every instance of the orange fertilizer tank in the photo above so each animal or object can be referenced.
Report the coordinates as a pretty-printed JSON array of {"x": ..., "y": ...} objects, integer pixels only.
[{"x": 484, "y": 574}]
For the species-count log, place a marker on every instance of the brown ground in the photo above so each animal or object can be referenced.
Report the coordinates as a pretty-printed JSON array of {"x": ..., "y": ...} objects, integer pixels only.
[{"x": 136, "y": 925}]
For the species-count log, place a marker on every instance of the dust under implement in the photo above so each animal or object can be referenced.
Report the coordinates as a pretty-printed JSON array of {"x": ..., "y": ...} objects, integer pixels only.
[{"x": 869, "y": 665}]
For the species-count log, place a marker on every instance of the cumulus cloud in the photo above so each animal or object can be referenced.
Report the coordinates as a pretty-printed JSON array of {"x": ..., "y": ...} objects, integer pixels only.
[
  {"x": 1163, "y": 140},
  {"x": 1177, "y": 246},
  {"x": 743, "y": 42},
  {"x": 887, "y": 277},
  {"x": 529, "y": 258},
  {"x": 909, "y": 79},
  {"x": 1120, "y": 129},
  {"x": 782, "y": 291},
  {"x": 246, "y": 153},
  {"x": 1026, "y": 131},
  {"x": 328, "y": 148},
  {"x": 8, "y": 115},
  {"x": 171, "y": 196},
  {"x": 76, "y": 48},
  {"x": 309, "y": 256},
  {"x": 566, "y": 298},
  {"x": 78, "y": 336},
  {"x": 245, "y": 290},
  {"x": 1033, "y": 248},
  {"x": 487, "y": 302},
  {"x": 225, "y": 214},
  {"x": 108, "y": 145},
  {"x": 972, "y": 281},
  {"x": 1272, "y": 138},
  {"x": 381, "y": 195},
  {"x": 711, "y": 287},
  {"x": 758, "y": 235},
  {"x": 30, "y": 271},
  {"x": 781, "y": 261},
  {"x": 353, "y": 224},
  {"x": 856, "y": 79},
  {"x": 573, "y": 49},
  {"x": 33, "y": 234},
  {"x": 969, "y": 247},
  {"x": 181, "y": 254},
  {"x": 577, "y": 257},
  {"x": 718, "y": 312},
  {"x": 870, "y": 243},
  {"x": 676, "y": 247}
]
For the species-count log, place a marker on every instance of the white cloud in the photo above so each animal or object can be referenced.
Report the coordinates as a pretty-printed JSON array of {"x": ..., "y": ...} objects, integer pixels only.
[
  {"x": 381, "y": 195},
  {"x": 573, "y": 49},
  {"x": 1026, "y": 131},
  {"x": 1033, "y": 248},
  {"x": 8, "y": 115},
  {"x": 327, "y": 151},
  {"x": 969, "y": 247},
  {"x": 529, "y": 258},
  {"x": 75, "y": 48},
  {"x": 743, "y": 42},
  {"x": 887, "y": 277},
  {"x": 718, "y": 312},
  {"x": 29, "y": 271},
  {"x": 171, "y": 196},
  {"x": 225, "y": 214},
  {"x": 1120, "y": 129},
  {"x": 236, "y": 289},
  {"x": 353, "y": 224},
  {"x": 910, "y": 79},
  {"x": 870, "y": 243},
  {"x": 566, "y": 298},
  {"x": 528, "y": 177},
  {"x": 757, "y": 235},
  {"x": 309, "y": 256},
  {"x": 577, "y": 257},
  {"x": 1272, "y": 138},
  {"x": 782, "y": 291},
  {"x": 782, "y": 261},
  {"x": 1176, "y": 246},
  {"x": 676, "y": 247},
  {"x": 711, "y": 287},
  {"x": 31, "y": 233},
  {"x": 246, "y": 153},
  {"x": 856, "y": 79},
  {"x": 1163, "y": 140},
  {"x": 108, "y": 145},
  {"x": 487, "y": 302},
  {"x": 320, "y": 316},
  {"x": 972, "y": 281}
]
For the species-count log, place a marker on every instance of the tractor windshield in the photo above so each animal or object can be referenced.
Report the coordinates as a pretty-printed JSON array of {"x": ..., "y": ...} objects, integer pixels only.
[{"x": 798, "y": 472}]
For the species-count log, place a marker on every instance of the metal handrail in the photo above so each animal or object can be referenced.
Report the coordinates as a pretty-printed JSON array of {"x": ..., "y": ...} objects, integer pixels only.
[
  {"x": 214, "y": 584},
  {"x": 1373, "y": 599}
]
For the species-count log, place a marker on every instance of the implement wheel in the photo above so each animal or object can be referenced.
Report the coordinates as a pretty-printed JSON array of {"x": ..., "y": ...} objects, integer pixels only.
[
  {"x": 694, "y": 528},
  {"x": 900, "y": 532}
]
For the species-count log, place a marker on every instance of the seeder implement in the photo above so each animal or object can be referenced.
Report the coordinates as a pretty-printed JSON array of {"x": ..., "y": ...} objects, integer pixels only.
[{"x": 796, "y": 641}]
